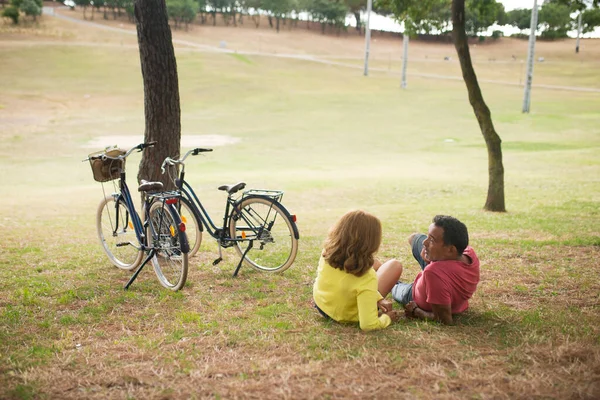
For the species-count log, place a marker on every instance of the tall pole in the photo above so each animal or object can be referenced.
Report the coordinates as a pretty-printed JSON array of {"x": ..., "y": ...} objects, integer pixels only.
[
  {"x": 578, "y": 31},
  {"x": 530, "y": 56},
  {"x": 404, "y": 58},
  {"x": 368, "y": 36}
]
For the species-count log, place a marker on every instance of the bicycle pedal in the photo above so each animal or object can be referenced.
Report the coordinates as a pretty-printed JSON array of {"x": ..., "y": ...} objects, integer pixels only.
[{"x": 218, "y": 260}]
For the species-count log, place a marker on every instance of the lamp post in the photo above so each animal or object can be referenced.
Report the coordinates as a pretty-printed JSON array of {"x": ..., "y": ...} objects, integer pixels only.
[
  {"x": 404, "y": 57},
  {"x": 530, "y": 57},
  {"x": 368, "y": 36}
]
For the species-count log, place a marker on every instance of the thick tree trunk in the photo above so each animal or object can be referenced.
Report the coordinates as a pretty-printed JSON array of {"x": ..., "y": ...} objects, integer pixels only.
[
  {"x": 161, "y": 88},
  {"x": 495, "y": 196}
]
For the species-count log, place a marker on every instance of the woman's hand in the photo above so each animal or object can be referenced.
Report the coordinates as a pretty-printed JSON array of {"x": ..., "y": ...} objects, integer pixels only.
[{"x": 384, "y": 306}]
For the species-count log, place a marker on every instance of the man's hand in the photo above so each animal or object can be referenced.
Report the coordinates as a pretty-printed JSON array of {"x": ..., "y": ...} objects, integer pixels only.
[
  {"x": 424, "y": 257},
  {"x": 409, "y": 309},
  {"x": 442, "y": 313}
]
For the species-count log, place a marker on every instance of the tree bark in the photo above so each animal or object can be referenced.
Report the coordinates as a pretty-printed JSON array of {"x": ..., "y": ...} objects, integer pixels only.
[
  {"x": 161, "y": 89},
  {"x": 495, "y": 195}
]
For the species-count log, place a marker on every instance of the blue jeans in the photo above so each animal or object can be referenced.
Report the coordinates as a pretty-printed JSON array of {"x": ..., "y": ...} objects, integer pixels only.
[{"x": 403, "y": 292}]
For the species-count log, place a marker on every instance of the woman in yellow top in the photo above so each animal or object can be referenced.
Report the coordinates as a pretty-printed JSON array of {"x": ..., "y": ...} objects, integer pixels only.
[{"x": 351, "y": 285}]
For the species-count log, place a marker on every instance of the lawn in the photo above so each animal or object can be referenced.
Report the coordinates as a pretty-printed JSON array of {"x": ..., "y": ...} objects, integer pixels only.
[{"x": 334, "y": 140}]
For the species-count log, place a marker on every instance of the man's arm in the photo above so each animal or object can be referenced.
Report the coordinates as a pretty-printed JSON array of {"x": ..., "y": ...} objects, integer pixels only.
[{"x": 440, "y": 312}]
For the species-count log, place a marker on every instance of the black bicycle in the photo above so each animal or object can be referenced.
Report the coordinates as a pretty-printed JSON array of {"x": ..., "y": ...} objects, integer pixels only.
[
  {"x": 255, "y": 223},
  {"x": 125, "y": 237}
]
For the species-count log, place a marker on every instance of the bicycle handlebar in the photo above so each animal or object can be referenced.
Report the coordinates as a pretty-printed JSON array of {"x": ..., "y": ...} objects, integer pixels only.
[
  {"x": 139, "y": 147},
  {"x": 170, "y": 161}
]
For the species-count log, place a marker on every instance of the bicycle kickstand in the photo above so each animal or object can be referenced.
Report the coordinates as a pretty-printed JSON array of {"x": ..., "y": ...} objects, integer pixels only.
[
  {"x": 137, "y": 272},
  {"x": 220, "y": 258},
  {"x": 242, "y": 259}
]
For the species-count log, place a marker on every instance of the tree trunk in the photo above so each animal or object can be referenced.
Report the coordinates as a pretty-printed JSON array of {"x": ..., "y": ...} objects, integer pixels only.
[
  {"x": 495, "y": 196},
  {"x": 357, "y": 16},
  {"x": 161, "y": 89}
]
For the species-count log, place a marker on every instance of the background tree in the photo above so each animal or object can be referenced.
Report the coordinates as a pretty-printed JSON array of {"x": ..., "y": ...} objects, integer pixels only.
[
  {"x": 255, "y": 5},
  {"x": 356, "y": 7},
  {"x": 495, "y": 195},
  {"x": 277, "y": 9},
  {"x": 11, "y": 12},
  {"x": 85, "y": 4},
  {"x": 182, "y": 11},
  {"x": 161, "y": 88},
  {"x": 519, "y": 18},
  {"x": 419, "y": 14},
  {"x": 577, "y": 4},
  {"x": 329, "y": 12},
  {"x": 202, "y": 10},
  {"x": 590, "y": 20},
  {"x": 481, "y": 14},
  {"x": 32, "y": 8},
  {"x": 216, "y": 6},
  {"x": 555, "y": 20}
]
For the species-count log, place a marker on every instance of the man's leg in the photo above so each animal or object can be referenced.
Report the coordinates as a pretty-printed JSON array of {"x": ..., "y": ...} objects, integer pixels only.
[{"x": 416, "y": 243}]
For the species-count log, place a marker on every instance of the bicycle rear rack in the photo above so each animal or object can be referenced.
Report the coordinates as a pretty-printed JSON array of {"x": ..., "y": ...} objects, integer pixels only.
[{"x": 276, "y": 195}]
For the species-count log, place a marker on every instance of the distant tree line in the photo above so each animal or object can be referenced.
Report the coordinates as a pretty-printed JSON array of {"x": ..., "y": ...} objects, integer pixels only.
[
  {"x": 554, "y": 19},
  {"x": 419, "y": 16}
]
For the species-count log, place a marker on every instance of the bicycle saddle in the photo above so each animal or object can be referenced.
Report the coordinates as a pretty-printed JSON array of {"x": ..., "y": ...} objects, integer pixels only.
[
  {"x": 231, "y": 189},
  {"x": 150, "y": 186}
]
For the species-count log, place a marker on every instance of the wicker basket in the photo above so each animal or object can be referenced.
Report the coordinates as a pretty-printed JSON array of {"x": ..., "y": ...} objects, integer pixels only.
[{"x": 107, "y": 169}]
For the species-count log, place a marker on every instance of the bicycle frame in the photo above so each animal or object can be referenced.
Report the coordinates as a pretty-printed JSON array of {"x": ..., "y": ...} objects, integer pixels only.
[
  {"x": 223, "y": 234},
  {"x": 214, "y": 231},
  {"x": 125, "y": 195}
]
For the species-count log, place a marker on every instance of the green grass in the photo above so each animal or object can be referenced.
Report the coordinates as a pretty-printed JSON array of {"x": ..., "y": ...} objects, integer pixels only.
[{"x": 333, "y": 140}]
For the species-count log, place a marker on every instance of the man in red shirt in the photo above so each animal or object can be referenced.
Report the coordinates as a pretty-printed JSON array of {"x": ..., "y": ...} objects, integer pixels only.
[{"x": 449, "y": 276}]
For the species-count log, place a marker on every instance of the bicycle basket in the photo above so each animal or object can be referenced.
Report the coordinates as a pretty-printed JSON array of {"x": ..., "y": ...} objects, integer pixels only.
[{"x": 107, "y": 170}]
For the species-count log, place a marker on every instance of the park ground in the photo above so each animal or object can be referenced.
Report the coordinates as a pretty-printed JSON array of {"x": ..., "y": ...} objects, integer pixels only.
[{"x": 293, "y": 111}]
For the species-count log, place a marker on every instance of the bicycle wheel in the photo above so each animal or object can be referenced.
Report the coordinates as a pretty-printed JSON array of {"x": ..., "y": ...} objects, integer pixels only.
[
  {"x": 170, "y": 262},
  {"x": 273, "y": 234},
  {"x": 193, "y": 225},
  {"x": 117, "y": 234}
]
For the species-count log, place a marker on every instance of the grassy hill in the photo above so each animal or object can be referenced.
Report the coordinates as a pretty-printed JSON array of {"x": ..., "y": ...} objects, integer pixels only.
[{"x": 334, "y": 140}]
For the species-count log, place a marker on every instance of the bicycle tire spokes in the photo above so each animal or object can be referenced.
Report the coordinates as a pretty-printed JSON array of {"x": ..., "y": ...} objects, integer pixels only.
[
  {"x": 264, "y": 223},
  {"x": 259, "y": 225},
  {"x": 117, "y": 234}
]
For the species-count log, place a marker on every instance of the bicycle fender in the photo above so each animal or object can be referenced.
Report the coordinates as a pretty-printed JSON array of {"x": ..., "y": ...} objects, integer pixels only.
[{"x": 183, "y": 240}]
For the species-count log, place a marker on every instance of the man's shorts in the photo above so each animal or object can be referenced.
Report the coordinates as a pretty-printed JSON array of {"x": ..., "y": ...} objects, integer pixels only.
[{"x": 402, "y": 292}]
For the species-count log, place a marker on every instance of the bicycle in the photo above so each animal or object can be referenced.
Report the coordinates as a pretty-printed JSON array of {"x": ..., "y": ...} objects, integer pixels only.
[
  {"x": 255, "y": 216},
  {"x": 124, "y": 237}
]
